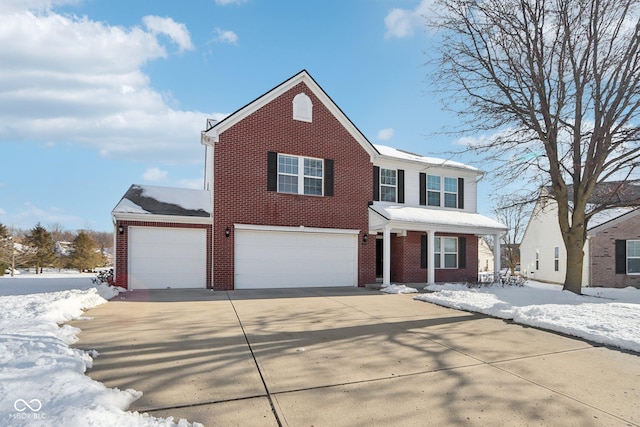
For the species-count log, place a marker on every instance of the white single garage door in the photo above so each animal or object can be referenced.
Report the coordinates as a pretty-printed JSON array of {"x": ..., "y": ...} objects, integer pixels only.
[
  {"x": 161, "y": 258},
  {"x": 295, "y": 259}
]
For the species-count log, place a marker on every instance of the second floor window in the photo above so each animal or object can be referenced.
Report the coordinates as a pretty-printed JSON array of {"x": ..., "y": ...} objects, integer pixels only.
[
  {"x": 442, "y": 191},
  {"x": 433, "y": 190},
  {"x": 388, "y": 185},
  {"x": 450, "y": 192},
  {"x": 300, "y": 175}
]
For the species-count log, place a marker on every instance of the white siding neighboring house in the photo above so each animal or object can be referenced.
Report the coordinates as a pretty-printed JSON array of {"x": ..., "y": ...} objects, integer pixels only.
[
  {"x": 543, "y": 254},
  {"x": 485, "y": 257}
]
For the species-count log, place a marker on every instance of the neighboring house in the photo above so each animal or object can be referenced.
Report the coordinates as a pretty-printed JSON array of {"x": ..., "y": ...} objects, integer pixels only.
[
  {"x": 485, "y": 257},
  {"x": 301, "y": 198},
  {"x": 612, "y": 251}
]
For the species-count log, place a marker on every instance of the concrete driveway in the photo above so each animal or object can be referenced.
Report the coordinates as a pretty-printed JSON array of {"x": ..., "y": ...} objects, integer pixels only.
[{"x": 349, "y": 357}]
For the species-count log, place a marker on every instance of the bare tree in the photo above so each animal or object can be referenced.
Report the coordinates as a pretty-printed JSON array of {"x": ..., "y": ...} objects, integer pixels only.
[
  {"x": 514, "y": 215},
  {"x": 558, "y": 82}
]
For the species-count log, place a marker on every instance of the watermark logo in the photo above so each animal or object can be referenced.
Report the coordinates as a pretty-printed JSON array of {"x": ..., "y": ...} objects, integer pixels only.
[
  {"x": 22, "y": 405},
  {"x": 27, "y": 409}
]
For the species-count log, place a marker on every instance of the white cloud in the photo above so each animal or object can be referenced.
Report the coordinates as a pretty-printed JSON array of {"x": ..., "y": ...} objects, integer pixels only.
[
  {"x": 176, "y": 31},
  {"x": 226, "y": 36},
  {"x": 39, "y": 5},
  {"x": 401, "y": 23},
  {"x": 155, "y": 175},
  {"x": 72, "y": 79},
  {"x": 385, "y": 134},
  {"x": 2, "y": 212}
]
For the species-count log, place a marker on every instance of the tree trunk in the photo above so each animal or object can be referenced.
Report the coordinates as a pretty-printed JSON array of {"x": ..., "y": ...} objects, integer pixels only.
[{"x": 574, "y": 242}]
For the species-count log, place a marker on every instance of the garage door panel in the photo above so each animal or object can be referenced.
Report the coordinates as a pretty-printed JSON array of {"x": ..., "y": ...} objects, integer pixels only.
[
  {"x": 162, "y": 258},
  {"x": 274, "y": 259}
]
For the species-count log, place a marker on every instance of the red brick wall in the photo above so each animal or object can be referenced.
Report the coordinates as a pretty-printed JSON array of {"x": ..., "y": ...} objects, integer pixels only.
[
  {"x": 470, "y": 273},
  {"x": 406, "y": 260},
  {"x": 603, "y": 251},
  {"x": 122, "y": 247},
  {"x": 240, "y": 179}
]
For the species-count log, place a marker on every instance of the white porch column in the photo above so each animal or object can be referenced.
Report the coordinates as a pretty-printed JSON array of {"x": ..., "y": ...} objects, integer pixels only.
[
  {"x": 386, "y": 255},
  {"x": 496, "y": 255},
  {"x": 431, "y": 267}
]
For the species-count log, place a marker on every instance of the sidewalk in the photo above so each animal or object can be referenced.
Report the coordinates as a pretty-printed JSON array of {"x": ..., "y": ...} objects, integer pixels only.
[{"x": 349, "y": 357}]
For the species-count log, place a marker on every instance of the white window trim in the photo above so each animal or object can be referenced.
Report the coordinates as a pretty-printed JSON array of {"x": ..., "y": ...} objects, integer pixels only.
[
  {"x": 443, "y": 192},
  {"x": 627, "y": 258},
  {"x": 395, "y": 187},
  {"x": 442, "y": 252},
  {"x": 301, "y": 176}
]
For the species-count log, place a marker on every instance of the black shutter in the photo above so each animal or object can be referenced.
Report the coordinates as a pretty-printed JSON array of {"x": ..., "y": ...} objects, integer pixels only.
[
  {"x": 462, "y": 252},
  {"x": 423, "y": 189},
  {"x": 376, "y": 183},
  {"x": 621, "y": 257},
  {"x": 460, "y": 193},
  {"x": 400, "y": 186},
  {"x": 272, "y": 171},
  {"x": 424, "y": 252},
  {"x": 328, "y": 177}
]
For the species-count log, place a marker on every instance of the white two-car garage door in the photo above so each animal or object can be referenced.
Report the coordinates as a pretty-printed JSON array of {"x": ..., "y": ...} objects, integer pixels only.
[
  {"x": 161, "y": 258},
  {"x": 295, "y": 258}
]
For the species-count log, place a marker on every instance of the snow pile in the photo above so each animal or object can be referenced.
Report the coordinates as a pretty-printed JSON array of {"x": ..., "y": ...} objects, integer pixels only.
[
  {"x": 42, "y": 379},
  {"x": 397, "y": 289},
  {"x": 607, "y": 316}
]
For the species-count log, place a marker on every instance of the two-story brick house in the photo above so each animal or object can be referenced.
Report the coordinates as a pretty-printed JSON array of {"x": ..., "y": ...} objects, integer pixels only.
[{"x": 301, "y": 198}]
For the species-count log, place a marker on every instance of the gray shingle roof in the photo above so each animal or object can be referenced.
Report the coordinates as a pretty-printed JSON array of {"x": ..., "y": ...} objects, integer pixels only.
[{"x": 144, "y": 199}]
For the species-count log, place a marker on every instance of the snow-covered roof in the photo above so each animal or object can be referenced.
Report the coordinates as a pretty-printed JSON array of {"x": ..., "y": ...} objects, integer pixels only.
[
  {"x": 445, "y": 220},
  {"x": 608, "y": 215},
  {"x": 147, "y": 199},
  {"x": 432, "y": 161}
]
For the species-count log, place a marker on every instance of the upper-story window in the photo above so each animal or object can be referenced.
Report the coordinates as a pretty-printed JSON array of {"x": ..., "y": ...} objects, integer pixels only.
[
  {"x": 388, "y": 185},
  {"x": 291, "y": 174},
  {"x": 441, "y": 191},
  {"x": 433, "y": 190},
  {"x": 300, "y": 175}
]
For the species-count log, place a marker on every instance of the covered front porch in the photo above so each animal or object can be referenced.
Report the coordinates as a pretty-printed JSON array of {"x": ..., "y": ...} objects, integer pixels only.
[{"x": 430, "y": 245}]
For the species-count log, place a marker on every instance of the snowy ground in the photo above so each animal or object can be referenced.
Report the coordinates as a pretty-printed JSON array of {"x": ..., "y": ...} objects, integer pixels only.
[
  {"x": 42, "y": 380},
  {"x": 604, "y": 315}
]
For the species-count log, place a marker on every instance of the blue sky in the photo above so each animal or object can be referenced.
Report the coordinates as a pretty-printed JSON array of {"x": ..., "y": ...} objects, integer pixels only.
[{"x": 96, "y": 95}]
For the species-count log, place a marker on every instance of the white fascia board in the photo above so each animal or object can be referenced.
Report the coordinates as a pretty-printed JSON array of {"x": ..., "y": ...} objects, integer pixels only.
[
  {"x": 162, "y": 218},
  {"x": 301, "y": 229},
  {"x": 213, "y": 134}
]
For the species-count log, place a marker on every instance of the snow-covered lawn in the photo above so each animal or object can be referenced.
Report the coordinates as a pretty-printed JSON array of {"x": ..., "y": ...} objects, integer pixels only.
[
  {"x": 42, "y": 380},
  {"x": 604, "y": 315}
]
